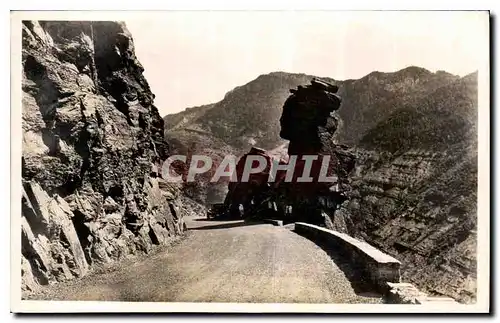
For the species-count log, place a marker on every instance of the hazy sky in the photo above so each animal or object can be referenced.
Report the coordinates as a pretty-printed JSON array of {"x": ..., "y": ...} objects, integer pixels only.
[{"x": 194, "y": 58}]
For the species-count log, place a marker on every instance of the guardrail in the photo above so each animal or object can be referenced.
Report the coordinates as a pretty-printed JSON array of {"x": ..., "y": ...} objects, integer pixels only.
[{"x": 379, "y": 267}]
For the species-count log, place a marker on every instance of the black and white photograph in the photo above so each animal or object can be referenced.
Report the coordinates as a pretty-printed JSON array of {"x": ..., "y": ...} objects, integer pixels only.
[{"x": 288, "y": 161}]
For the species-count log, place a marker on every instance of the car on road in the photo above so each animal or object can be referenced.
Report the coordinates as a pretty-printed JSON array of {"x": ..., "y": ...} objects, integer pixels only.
[{"x": 216, "y": 209}]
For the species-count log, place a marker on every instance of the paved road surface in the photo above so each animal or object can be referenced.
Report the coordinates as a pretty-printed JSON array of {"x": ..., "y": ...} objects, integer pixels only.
[{"x": 223, "y": 262}]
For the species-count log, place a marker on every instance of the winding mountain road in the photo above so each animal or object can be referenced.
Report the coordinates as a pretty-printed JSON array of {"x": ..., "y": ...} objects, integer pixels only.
[{"x": 223, "y": 262}]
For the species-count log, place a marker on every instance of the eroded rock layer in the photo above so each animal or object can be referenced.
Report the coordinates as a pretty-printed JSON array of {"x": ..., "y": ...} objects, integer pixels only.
[
  {"x": 92, "y": 151},
  {"x": 415, "y": 190}
]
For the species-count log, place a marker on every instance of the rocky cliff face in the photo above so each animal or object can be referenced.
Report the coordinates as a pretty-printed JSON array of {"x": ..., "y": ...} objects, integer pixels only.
[
  {"x": 92, "y": 150},
  {"x": 423, "y": 212},
  {"x": 415, "y": 189}
]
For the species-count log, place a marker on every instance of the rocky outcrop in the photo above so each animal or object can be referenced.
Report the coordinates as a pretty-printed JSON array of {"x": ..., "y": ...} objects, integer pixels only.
[
  {"x": 92, "y": 151},
  {"x": 248, "y": 194},
  {"x": 308, "y": 121}
]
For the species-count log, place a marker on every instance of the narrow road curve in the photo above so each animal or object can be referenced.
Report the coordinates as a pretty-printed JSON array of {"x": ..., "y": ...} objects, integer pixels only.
[{"x": 223, "y": 262}]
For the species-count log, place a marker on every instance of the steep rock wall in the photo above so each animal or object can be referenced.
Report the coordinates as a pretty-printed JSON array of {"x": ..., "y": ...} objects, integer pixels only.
[
  {"x": 422, "y": 212},
  {"x": 92, "y": 150}
]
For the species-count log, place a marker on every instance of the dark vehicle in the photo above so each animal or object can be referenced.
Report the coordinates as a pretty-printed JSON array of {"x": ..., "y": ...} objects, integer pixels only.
[{"x": 215, "y": 210}]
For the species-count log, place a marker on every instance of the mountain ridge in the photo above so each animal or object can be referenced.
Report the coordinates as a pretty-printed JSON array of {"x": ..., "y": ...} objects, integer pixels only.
[{"x": 262, "y": 97}]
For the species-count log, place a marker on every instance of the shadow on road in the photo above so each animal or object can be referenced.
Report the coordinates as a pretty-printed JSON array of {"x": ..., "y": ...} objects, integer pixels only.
[
  {"x": 216, "y": 220},
  {"x": 204, "y": 220},
  {"x": 225, "y": 225},
  {"x": 361, "y": 285}
]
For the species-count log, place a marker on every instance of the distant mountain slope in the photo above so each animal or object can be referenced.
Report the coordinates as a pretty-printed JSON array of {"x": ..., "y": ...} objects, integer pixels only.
[
  {"x": 183, "y": 118},
  {"x": 443, "y": 117},
  {"x": 249, "y": 114},
  {"x": 415, "y": 191},
  {"x": 374, "y": 97}
]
